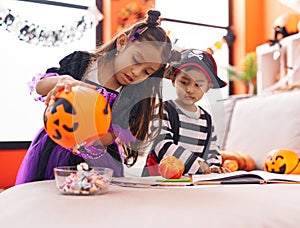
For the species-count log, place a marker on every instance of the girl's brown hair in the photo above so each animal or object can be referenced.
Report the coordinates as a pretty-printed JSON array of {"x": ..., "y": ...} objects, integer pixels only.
[{"x": 135, "y": 105}]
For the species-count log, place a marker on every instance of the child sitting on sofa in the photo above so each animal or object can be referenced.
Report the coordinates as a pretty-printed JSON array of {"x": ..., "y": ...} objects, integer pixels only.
[{"x": 187, "y": 131}]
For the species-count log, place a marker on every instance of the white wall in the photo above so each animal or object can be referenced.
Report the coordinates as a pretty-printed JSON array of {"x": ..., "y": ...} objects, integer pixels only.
[{"x": 20, "y": 115}]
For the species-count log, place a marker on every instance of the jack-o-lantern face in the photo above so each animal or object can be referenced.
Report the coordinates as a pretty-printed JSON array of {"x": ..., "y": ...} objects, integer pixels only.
[
  {"x": 78, "y": 116},
  {"x": 281, "y": 161}
]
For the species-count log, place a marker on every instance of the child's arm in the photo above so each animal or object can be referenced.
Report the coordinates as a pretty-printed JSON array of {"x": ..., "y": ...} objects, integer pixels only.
[
  {"x": 45, "y": 85},
  {"x": 213, "y": 157},
  {"x": 50, "y": 86},
  {"x": 69, "y": 73}
]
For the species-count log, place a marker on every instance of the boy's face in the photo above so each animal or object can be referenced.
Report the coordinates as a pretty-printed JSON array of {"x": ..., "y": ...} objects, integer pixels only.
[{"x": 191, "y": 85}]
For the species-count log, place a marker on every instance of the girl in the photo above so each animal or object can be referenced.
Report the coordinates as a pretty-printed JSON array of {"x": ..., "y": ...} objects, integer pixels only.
[
  {"x": 118, "y": 69},
  {"x": 187, "y": 130}
]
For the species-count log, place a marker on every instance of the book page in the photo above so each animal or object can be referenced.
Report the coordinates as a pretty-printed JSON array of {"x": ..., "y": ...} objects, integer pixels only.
[
  {"x": 151, "y": 181},
  {"x": 276, "y": 176},
  {"x": 246, "y": 176},
  {"x": 240, "y": 174}
]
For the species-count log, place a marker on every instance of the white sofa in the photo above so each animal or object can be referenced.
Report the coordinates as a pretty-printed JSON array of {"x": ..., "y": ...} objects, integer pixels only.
[
  {"x": 259, "y": 124},
  {"x": 253, "y": 124}
]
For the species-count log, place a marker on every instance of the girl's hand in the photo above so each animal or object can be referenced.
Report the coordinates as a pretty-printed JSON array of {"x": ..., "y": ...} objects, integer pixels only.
[
  {"x": 123, "y": 136},
  {"x": 65, "y": 82}
]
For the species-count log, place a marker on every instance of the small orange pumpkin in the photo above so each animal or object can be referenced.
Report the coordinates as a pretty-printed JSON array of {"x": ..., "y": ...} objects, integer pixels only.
[
  {"x": 232, "y": 165},
  {"x": 244, "y": 160},
  {"x": 171, "y": 167},
  {"x": 79, "y": 116},
  {"x": 282, "y": 161}
]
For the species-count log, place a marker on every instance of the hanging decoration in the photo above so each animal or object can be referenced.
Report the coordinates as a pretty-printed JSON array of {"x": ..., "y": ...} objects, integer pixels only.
[
  {"x": 33, "y": 33},
  {"x": 228, "y": 39}
]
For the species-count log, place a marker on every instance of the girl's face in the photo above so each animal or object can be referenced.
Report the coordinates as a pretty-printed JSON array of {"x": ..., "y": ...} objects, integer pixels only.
[
  {"x": 190, "y": 85},
  {"x": 136, "y": 61}
]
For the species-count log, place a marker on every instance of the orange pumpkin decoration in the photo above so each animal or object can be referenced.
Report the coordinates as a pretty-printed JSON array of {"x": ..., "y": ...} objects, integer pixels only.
[
  {"x": 171, "y": 167},
  {"x": 244, "y": 161},
  {"x": 282, "y": 161},
  {"x": 232, "y": 165},
  {"x": 79, "y": 116}
]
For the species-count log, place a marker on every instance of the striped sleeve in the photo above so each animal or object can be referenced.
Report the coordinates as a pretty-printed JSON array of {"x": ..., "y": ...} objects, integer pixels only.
[
  {"x": 164, "y": 145},
  {"x": 212, "y": 156}
]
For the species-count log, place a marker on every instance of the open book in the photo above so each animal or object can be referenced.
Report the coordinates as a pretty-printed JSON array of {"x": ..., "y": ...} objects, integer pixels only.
[
  {"x": 245, "y": 177},
  {"x": 150, "y": 182}
]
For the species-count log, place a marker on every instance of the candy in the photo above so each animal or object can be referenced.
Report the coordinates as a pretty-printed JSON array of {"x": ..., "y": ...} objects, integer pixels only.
[{"x": 84, "y": 181}]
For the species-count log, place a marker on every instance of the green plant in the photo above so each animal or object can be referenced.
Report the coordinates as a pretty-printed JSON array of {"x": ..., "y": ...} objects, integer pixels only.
[{"x": 245, "y": 72}]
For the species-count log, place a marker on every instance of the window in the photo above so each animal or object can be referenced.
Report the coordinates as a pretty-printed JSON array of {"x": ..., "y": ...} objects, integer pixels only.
[{"x": 21, "y": 117}]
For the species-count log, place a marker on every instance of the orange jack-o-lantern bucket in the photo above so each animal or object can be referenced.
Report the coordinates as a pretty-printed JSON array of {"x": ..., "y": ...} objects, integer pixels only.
[
  {"x": 282, "y": 161},
  {"x": 79, "y": 116}
]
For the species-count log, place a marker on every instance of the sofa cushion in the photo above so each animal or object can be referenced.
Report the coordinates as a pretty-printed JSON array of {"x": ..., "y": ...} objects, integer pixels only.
[
  {"x": 222, "y": 119},
  {"x": 263, "y": 123}
]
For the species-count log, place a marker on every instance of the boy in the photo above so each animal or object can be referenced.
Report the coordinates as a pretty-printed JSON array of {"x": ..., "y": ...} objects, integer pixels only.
[{"x": 187, "y": 131}]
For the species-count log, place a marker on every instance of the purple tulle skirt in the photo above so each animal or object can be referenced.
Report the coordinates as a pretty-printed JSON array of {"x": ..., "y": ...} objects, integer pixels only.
[{"x": 58, "y": 157}]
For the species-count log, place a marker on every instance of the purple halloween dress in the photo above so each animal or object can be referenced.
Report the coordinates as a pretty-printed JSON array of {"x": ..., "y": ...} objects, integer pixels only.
[{"x": 44, "y": 154}]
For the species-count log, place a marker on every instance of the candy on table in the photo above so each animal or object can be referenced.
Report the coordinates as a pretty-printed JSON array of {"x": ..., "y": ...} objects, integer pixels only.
[
  {"x": 85, "y": 181},
  {"x": 82, "y": 166}
]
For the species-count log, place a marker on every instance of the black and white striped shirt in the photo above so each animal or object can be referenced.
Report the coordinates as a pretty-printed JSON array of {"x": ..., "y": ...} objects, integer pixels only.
[{"x": 195, "y": 141}]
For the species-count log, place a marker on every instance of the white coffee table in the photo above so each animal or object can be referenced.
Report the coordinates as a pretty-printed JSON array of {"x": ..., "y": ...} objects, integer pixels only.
[{"x": 39, "y": 204}]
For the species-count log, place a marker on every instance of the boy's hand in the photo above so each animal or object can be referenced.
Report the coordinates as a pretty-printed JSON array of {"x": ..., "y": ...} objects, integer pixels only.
[
  {"x": 217, "y": 169},
  {"x": 206, "y": 169}
]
